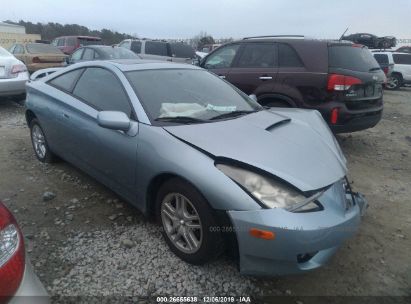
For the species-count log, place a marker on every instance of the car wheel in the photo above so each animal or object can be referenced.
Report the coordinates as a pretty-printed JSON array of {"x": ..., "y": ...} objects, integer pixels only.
[
  {"x": 39, "y": 142},
  {"x": 188, "y": 223},
  {"x": 394, "y": 82}
]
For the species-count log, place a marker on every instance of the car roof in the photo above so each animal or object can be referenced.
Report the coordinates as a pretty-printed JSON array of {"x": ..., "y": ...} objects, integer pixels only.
[
  {"x": 291, "y": 40},
  {"x": 83, "y": 37},
  {"x": 143, "y": 64}
]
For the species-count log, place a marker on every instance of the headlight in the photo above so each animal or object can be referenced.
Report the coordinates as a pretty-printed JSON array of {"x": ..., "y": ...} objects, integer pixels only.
[{"x": 269, "y": 192}]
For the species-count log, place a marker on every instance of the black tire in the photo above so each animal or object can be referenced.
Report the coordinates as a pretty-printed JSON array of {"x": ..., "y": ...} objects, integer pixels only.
[
  {"x": 276, "y": 104},
  {"x": 211, "y": 245},
  {"x": 394, "y": 82},
  {"x": 48, "y": 156}
]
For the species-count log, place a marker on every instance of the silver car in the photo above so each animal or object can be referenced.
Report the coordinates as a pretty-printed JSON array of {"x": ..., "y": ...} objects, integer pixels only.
[
  {"x": 216, "y": 169},
  {"x": 13, "y": 75}
]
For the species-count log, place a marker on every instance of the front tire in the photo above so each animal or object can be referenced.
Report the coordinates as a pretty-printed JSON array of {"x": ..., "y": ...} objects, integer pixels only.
[
  {"x": 39, "y": 142},
  {"x": 189, "y": 228}
]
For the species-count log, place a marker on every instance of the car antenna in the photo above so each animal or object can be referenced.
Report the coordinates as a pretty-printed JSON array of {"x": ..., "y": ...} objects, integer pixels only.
[{"x": 341, "y": 38}]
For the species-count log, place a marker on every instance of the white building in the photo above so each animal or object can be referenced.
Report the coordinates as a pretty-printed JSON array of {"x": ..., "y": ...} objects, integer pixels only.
[{"x": 12, "y": 28}]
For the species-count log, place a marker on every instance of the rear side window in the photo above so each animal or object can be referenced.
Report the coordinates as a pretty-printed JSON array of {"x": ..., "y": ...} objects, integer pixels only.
[
  {"x": 156, "y": 48},
  {"x": 258, "y": 55},
  {"x": 351, "y": 58},
  {"x": 288, "y": 57},
  {"x": 136, "y": 47},
  {"x": 88, "y": 54},
  {"x": 71, "y": 41},
  {"x": 102, "y": 90},
  {"x": 182, "y": 50},
  {"x": 66, "y": 81},
  {"x": 60, "y": 42},
  {"x": 402, "y": 58},
  {"x": 381, "y": 58}
]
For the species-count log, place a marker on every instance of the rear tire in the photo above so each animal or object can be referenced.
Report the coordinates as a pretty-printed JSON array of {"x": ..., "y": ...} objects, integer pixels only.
[
  {"x": 39, "y": 142},
  {"x": 188, "y": 224},
  {"x": 394, "y": 82}
]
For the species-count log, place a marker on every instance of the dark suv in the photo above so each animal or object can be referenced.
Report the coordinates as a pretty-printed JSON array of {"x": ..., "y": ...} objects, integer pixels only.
[{"x": 340, "y": 79}]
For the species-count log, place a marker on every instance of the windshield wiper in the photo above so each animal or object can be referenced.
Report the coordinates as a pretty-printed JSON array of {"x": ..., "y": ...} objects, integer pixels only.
[
  {"x": 232, "y": 114},
  {"x": 181, "y": 119}
]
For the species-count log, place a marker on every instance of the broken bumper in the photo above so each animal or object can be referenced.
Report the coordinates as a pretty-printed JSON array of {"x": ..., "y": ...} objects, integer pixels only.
[{"x": 303, "y": 241}]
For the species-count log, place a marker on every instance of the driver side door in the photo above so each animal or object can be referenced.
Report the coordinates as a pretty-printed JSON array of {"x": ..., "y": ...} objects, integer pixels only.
[{"x": 220, "y": 61}]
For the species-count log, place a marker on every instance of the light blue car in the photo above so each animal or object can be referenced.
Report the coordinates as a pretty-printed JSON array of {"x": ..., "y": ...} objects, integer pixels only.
[{"x": 216, "y": 169}]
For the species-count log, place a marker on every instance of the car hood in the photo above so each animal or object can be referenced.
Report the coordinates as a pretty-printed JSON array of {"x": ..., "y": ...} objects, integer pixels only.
[{"x": 293, "y": 144}]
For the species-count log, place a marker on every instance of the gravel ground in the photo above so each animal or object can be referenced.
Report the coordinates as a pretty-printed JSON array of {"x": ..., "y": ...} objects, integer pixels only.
[{"x": 84, "y": 241}]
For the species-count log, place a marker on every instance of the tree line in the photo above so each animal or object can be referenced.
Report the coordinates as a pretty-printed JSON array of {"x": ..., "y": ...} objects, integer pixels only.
[{"x": 51, "y": 30}]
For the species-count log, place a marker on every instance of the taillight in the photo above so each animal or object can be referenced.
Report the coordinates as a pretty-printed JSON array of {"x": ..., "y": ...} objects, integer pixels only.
[
  {"x": 385, "y": 70},
  {"x": 18, "y": 68},
  {"x": 338, "y": 82},
  {"x": 35, "y": 60},
  {"x": 12, "y": 261}
]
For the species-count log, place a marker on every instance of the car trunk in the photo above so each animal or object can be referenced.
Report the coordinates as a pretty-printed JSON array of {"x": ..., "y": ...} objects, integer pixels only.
[
  {"x": 359, "y": 78},
  {"x": 47, "y": 58}
]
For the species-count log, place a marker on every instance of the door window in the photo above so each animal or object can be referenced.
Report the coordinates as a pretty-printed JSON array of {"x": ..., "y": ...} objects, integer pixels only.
[
  {"x": 156, "y": 48},
  {"x": 288, "y": 57},
  {"x": 258, "y": 55},
  {"x": 76, "y": 56},
  {"x": 66, "y": 81},
  {"x": 402, "y": 58},
  {"x": 136, "y": 47},
  {"x": 222, "y": 58},
  {"x": 101, "y": 89},
  {"x": 88, "y": 54},
  {"x": 61, "y": 42}
]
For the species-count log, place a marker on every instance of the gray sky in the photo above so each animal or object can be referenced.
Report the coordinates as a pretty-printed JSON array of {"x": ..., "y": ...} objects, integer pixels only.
[{"x": 221, "y": 18}]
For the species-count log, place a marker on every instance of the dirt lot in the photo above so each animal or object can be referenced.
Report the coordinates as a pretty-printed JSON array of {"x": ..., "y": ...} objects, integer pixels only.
[{"x": 87, "y": 242}]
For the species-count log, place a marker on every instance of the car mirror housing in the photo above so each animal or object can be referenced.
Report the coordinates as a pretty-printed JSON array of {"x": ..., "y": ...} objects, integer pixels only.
[{"x": 114, "y": 120}]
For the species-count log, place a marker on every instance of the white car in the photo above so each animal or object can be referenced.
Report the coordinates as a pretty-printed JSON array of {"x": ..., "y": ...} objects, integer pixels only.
[
  {"x": 13, "y": 75},
  {"x": 401, "y": 73}
]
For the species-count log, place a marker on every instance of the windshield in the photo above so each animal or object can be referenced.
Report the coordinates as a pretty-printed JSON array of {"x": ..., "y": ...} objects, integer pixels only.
[
  {"x": 195, "y": 94},
  {"x": 352, "y": 58},
  {"x": 118, "y": 53},
  {"x": 40, "y": 48}
]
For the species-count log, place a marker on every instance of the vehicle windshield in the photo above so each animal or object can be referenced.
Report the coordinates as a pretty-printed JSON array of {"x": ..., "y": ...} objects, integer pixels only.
[
  {"x": 186, "y": 93},
  {"x": 89, "y": 41},
  {"x": 118, "y": 53},
  {"x": 352, "y": 58},
  {"x": 41, "y": 48}
]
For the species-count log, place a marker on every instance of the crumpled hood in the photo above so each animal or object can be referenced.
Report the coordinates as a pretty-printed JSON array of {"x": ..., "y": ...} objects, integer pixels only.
[{"x": 293, "y": 144}]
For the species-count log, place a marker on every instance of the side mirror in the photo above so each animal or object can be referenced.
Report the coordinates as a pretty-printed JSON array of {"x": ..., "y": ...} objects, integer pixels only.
[
  {"x": 114, "y": 120},
  {"x": 253, "y": 97}
]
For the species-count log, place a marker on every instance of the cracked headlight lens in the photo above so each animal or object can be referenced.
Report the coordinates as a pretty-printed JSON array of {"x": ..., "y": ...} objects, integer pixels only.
[{"x": 271, "y": 193}]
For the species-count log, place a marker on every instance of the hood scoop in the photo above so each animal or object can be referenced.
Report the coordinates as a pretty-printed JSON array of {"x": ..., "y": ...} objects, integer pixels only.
[{"x": 277, "y": 124}]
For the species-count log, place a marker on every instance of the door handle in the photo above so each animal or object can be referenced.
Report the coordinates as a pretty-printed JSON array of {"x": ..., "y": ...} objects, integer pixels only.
[
  {"x": 65, "y": 115},
  {"x": 265, "y": 77},
  {"x": 221, "y": 76}
]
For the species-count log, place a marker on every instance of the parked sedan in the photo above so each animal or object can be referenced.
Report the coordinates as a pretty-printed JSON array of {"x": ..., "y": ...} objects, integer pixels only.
[
  {"x": 18, "y": 282},
  {"x": 214, "y": 167},
  {"x": 100, "y": 52},
  {"x": 372, "y": 41},
  {"x": 38, "y": 56},
  {"x": 13, "y": 75}
]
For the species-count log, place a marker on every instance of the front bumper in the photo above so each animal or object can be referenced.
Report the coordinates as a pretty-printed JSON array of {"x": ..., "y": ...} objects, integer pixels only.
[
  {"x": 14, "y": 86},
  {"x": 31, "y": 290},
  {"x": 303, "y": 241}
]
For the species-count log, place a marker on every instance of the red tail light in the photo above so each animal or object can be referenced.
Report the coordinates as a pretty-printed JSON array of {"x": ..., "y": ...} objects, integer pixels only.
[
  {"x": 338, "y": 82},
  {"x": 36, "y": 60},
  {"x": 12, "y": 261},
  {"x": 334, "y": 116},
  {"x": 385, "y": 70}
]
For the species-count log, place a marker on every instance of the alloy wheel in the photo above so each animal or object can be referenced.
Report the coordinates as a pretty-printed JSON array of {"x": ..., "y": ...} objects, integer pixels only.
[
  {"x": 39, "y": 141},
  {"x": 181, "y": 222}
]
